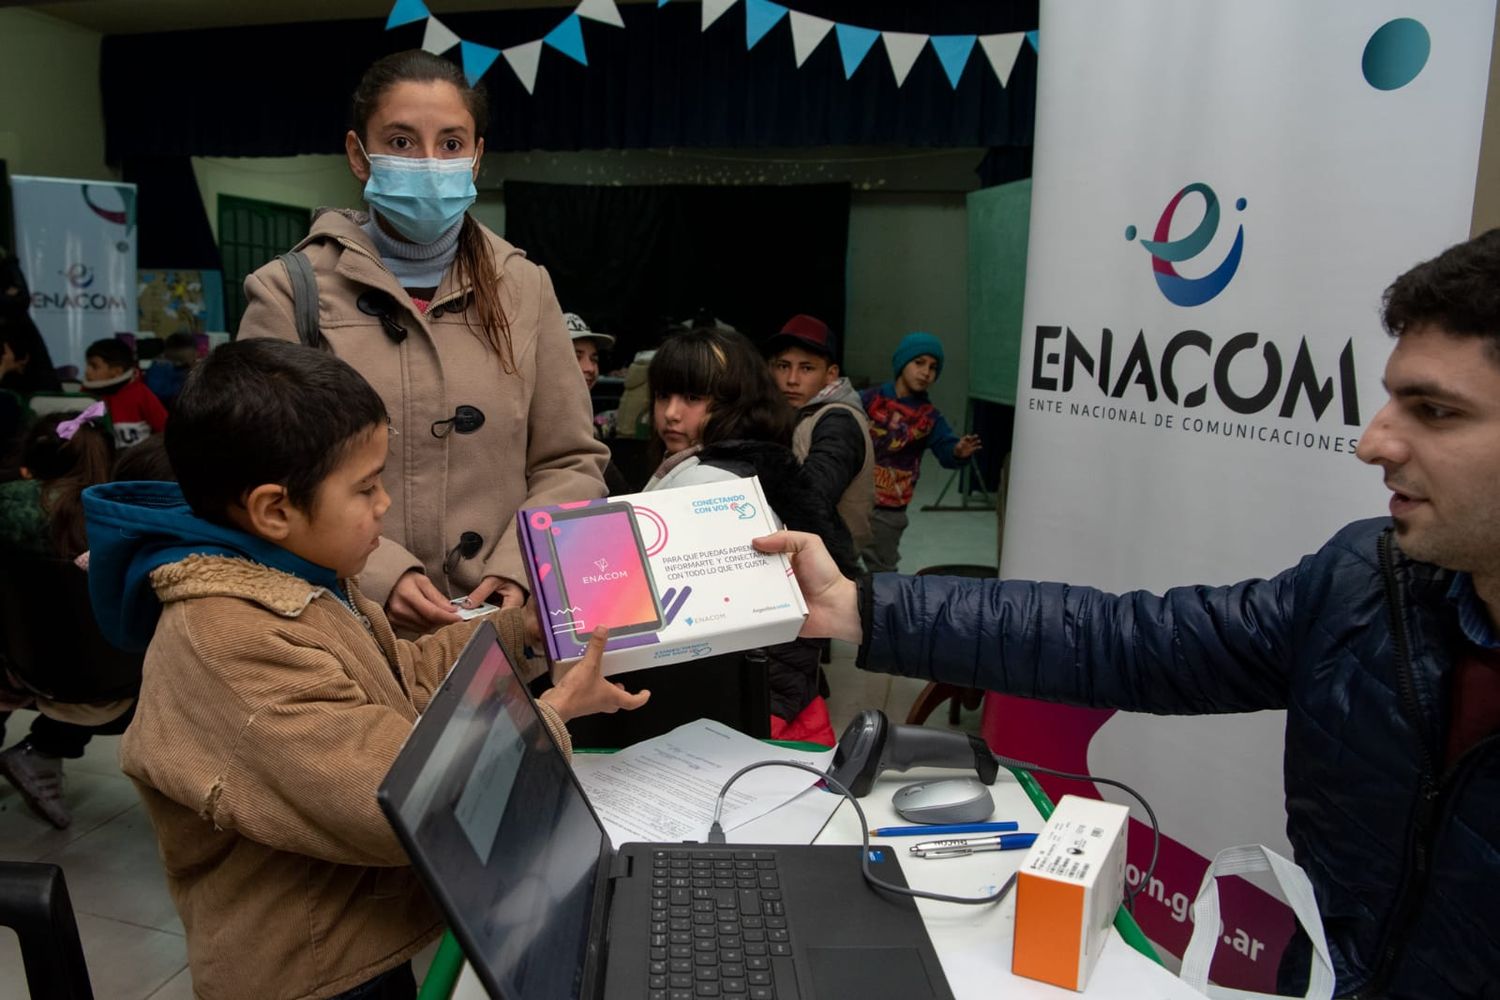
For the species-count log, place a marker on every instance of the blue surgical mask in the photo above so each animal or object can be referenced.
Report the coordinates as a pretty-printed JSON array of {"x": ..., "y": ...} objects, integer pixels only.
[{"x": 423, "y": 198}]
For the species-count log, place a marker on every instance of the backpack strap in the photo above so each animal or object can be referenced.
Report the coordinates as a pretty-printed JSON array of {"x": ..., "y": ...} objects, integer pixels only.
[{"x": 304, "y": 297}]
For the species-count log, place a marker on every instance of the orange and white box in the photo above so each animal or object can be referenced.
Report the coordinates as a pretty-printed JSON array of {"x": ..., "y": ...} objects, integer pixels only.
[{"x": 1067, "y": 891}]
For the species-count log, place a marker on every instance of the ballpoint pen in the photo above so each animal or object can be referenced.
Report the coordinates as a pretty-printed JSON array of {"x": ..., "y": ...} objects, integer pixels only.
[
  {"x": 963, "y": 846},
  {"x": 938, "y": 829}
]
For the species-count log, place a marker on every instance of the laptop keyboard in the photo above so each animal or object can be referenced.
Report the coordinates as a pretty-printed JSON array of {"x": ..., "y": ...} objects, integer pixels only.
[{"x": 718, "y": 927}]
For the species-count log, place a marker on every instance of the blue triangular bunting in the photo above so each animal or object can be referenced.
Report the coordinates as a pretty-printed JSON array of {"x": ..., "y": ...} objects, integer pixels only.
[
  {"x": 1031, "y": 37},
  {"x": 477, "y": 60},
  {"x": 760, "y": 17},
  {"x": 953, "y": 52},
  {"x": 854, "y": 45},
  {"x": 405, "y": 12},
  {"x": 567, "y": 38}
]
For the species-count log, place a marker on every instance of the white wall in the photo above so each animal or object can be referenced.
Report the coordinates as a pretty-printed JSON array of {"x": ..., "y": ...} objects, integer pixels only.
[
  {"x": 51, "y": 115},
  {"x": 1487, "y": 187},
  {"x": 304, "y": 181},
  {"x": 909, "y": 270}
]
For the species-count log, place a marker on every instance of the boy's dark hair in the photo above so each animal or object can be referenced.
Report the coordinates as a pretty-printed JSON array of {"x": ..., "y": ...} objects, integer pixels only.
[
  {"x": 113, "y": 352},
  {"x": 266, "y": 411},
  {"x": 1457, "y": 291},
  {"x": 725, "y": 367}
]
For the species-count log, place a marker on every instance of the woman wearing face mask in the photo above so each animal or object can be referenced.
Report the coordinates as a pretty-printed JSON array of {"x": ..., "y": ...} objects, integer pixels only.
[{"x": 459, "y": 333}]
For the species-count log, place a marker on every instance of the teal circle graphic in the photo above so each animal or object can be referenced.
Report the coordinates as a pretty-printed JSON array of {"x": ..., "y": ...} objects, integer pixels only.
[
  {"x": 1130, "y": 232},
  {"x": 1396, "y": 54}
]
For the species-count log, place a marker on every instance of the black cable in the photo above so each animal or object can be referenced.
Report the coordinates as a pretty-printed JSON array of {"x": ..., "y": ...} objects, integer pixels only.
[
  {"x": 1130, "y": 894},
  {"x": 716, "y": 836}
]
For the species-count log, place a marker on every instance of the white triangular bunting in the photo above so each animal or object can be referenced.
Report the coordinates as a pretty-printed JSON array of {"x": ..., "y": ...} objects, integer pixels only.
[
  {"x": 807, "y": 33},
  {"x": 1001, "y": 51},
  {"x": 523, "y": 60},
  {"x": 902, "y": 47},
  {"x": 713, "y": 10},
  {"x": 603, "y": 11},
  {"x": 437, "y": 39}
]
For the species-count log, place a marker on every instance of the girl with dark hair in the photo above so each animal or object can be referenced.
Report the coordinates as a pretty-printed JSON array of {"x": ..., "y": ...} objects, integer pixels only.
[
  {"x": 460, "y": 335},
  {"x": 708, "y": 385},
  {"x": 42, "y": 514},
  {"x": 63, "y": 455},
  {"x": 718, "y": 415}
]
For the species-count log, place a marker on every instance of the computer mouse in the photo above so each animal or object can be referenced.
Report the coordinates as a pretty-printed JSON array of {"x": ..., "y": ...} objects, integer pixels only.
[{"x": 946, "y": 800}]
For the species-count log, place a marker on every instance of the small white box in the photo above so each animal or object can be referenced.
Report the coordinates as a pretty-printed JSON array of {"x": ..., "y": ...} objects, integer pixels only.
[
  {"x": 671, "y": 573},
  {"x": 1068, "y": 889}
]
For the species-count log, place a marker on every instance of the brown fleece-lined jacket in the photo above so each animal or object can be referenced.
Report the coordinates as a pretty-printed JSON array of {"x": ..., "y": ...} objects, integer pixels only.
[{"x": 269, "y": 713}]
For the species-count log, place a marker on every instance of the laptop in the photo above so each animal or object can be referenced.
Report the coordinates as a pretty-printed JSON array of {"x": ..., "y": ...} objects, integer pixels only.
[{"x": 546, "y": 908}]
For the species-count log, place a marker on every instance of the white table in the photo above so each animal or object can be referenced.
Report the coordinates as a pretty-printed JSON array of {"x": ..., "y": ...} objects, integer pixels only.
[{"x": 972, "y": 942}]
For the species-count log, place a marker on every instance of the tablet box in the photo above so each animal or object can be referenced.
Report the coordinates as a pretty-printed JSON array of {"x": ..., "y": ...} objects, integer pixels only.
[
  {"x": 1067, "y": 891},
  {"x": 671, "y": 573}
]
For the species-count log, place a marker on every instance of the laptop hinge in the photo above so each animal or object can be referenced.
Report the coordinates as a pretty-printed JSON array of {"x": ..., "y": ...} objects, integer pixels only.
[{"x": 621, "y": 866}]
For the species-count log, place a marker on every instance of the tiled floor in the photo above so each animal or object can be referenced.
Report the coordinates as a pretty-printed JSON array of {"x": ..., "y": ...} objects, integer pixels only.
[{"x": 132, "y": 939}]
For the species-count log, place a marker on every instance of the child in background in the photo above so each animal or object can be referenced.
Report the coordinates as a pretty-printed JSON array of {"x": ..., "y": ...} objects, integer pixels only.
[
  {"x": 42, "y": 514},
  {"x": 110, "y": 374},
  {"x": 587, "y": 345},
  {"x": 275, "y": 696},
  {"x": 165, "y": 377},
  {"x": 63, "y": 454},
  {"x": 718, "y": 415},
  {"x": 904, "y": 423}
]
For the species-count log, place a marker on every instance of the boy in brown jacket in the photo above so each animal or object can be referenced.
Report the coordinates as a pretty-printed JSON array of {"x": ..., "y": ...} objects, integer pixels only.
[{"x": 275, "y": 696}]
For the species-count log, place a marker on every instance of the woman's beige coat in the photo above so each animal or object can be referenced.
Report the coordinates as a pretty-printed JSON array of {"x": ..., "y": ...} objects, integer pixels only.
[{"x": 536, "y": 445}]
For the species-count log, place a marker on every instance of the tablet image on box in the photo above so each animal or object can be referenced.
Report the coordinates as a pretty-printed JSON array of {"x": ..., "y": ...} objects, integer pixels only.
[
  {"x": 603, "y": 575},
  {"x": 671, "y": 574}
]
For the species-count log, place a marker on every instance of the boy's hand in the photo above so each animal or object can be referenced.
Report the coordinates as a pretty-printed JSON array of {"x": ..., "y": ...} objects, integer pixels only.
[
  {"x": 967, "y": 445},
  {"x": 417, "y": 605},
  {"x": 832, "y": 599},
  {"x": 583, "y": 689}
]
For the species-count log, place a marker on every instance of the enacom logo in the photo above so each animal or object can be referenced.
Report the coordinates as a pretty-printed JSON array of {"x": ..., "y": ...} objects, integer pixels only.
[{"x": 1165, "y": 252}]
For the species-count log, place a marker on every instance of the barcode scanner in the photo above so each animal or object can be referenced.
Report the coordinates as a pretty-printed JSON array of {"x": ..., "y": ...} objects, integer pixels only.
[{"x": 871, "y": 744}]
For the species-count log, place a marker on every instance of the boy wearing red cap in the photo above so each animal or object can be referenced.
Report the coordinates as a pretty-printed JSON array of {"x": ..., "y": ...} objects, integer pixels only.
[{"x": 832, "y": 436}]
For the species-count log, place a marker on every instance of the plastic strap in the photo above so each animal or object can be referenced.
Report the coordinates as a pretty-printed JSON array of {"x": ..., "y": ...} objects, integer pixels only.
[
  {"x": 1206, "y": 929},
  {"x": 304, "y": 297}
]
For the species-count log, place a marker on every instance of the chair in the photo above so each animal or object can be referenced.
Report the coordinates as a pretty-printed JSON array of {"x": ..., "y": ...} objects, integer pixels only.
[
  {"x": 34, "y": 903},
  {"x": 936, "y": 693},
  {"x": 50, "y": 638}
]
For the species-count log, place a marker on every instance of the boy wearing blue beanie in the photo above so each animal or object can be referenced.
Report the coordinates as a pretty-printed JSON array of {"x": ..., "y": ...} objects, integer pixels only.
[{"x": 903, "y": 423}]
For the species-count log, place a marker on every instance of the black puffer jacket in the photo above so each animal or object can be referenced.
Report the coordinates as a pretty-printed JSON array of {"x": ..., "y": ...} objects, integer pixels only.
[
  {"x": 1356, "y": 642},
  {"x": 792, "y": 490}
]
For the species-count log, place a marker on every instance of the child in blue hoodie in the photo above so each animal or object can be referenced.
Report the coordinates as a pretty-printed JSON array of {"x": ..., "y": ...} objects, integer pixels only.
[
  {"x": 903, "y": 424},
  {"x": 275, "y": 696}
]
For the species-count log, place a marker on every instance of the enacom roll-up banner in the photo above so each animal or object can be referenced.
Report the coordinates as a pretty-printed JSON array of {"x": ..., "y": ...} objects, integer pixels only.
[
  {"x": 76, "y": 241},
  {"x": 1221, "y": 194}
]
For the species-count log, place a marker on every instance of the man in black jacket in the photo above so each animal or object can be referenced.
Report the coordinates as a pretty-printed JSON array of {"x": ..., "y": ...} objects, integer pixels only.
[{"x": 1382, "y": 646}]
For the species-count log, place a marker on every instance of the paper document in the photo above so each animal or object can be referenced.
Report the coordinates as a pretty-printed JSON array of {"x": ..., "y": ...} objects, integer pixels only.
[{"x": 664, "y": 789}]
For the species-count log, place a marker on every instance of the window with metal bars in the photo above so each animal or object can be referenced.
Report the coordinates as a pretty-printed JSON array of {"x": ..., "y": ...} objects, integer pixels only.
[{"x": 250, "y": 234}]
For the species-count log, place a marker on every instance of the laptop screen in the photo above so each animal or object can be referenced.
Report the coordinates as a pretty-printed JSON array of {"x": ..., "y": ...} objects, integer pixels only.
[{"x": 491, "y": 816}]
